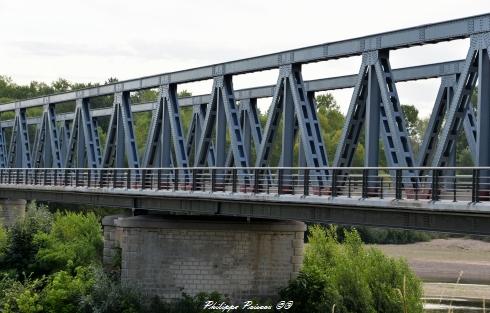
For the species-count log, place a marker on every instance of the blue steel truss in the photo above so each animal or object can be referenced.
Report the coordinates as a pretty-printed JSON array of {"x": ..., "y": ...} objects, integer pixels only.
[{"x": 226, "y": 130}]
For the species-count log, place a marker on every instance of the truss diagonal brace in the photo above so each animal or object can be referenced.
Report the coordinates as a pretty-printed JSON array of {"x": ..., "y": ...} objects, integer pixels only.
[
  {"x": 84, "y": 142},
  {"x": 47, "y": 151},
  {"x": 221, "y": 113},
  {"x": 290, "y": 99},
  {"x": 473, "y": 67},
  {"x": 166, "y": 131},
  {"x": 19, "y": 151},
  {"x": 121, "y": 140}
]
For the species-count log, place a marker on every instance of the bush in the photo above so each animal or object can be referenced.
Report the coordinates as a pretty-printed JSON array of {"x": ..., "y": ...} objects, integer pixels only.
[
  {"x": 73, "y": 240},
  {"x": 21, "y": 250},
  {"x": 351, "y": 277},
  {"x": 64, "y": 292},
  {"x": 21, "y": 297}
]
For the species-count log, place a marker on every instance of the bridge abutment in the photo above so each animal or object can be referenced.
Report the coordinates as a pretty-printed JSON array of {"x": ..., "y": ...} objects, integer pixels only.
[
  {"x": 168, "y": 255},
  {"x": 11, "y": 210}
]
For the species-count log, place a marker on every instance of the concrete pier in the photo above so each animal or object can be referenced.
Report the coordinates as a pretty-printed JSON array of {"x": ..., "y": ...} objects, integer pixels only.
[
  {"x": 167, "y": 255},
  {"x": 11, "y": 210}
]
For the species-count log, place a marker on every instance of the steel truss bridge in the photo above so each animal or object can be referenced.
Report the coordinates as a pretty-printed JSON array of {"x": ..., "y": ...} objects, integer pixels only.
[{"x": 223, "y": 164}]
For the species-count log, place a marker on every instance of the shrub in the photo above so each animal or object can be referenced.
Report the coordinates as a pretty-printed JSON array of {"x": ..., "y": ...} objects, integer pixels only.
[
  {"x": 74, "y": 240},
  {"x": 64, "y": 291},
  {"x": 351, "y": 277},
  {"x": 22, "y": 297},
  {"x": 21, "y": 250}
]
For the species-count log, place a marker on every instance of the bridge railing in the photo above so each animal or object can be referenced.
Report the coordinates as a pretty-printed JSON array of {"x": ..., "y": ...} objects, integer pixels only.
[{"x": 471, "y": 184}]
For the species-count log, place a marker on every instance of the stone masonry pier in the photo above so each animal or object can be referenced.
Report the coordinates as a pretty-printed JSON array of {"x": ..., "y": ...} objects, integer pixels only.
[{"x": 168, "y": 255}]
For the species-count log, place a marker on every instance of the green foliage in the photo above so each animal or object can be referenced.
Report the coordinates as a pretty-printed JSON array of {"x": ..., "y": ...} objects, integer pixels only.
[
  {"x": 64, "y": 292},
  {"x": 21, "y": 249},
  {"x": 21, "y": 297},
  {"x": 3, "y": 243},
  {"x": 74, "y": 240},
  {"x": 351, "y": 277}
]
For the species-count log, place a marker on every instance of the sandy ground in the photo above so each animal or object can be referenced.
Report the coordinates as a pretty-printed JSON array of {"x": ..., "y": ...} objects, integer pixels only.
[{"x": 442, "y": 260}]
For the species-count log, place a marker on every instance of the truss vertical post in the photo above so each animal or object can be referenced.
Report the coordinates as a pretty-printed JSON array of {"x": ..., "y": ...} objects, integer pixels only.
[
  {"x": 483, "y": 124},
  {"x": 372, "y": 132}
]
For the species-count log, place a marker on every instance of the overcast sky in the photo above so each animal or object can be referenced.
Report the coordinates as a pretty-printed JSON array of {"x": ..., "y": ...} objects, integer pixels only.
[{"x": 89, "y": 41}]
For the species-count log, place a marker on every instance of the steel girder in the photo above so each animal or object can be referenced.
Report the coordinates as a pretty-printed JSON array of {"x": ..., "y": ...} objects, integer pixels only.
[
  {"x": 121, "y": 142},
  {"x": 475, "y": 68},
  {"x": 19, "y": 151},
  {"x": 251, "y": 128},
  {"x": 437, "y": 117},
  {"x": 83, "y": 145},
  {"x": 221, "y": 114},
  {"x": 400, "y": 75},
  {"x": 47, "y": 152},
  {"x": 194, "y": 134},
  {"x": 166, "y": 124},
  {"x": 424, "y": 34},
  {"x": 291, "y": 100},
  {"x": 64, "y": 131},
  {"x": 3, "y": 149},
  {"x": 375, "y": 102}
]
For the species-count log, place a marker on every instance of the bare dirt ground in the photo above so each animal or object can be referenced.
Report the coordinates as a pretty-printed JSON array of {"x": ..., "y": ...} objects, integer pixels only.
[{"x": 441, "y": 261}]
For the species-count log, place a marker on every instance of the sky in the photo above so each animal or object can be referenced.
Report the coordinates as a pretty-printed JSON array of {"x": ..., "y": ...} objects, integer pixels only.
[{"x": 90, "y": 41}]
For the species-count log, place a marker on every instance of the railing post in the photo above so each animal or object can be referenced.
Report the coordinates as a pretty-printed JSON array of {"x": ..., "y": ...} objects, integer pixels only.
[
  {"x": 143, "y": 179},
  {"x": 114, "y": 178},
  {"x": 25, "y": 176},
  {"x": 475, "y": 188},
  {"x": 128, "y": 179},
  {"x": 65, "y": 177},
  {"x": 194, "y": 179},
  {"x": 365, "y": 173},
  {"x": 334, "y": 183},
  {"x": 213, "y": 180},
  {"x": 279, "y": 180},
  {"x": 398, "y": 184},
  {"x": 77, "y": 177},
  {"x": 89, "y": 178},
  {"x": 159, "y": 179},
  {"x": 349, "y": 187},
  {"x": 176, "y": 179},
  {"x": 381, "y": 187},
  {"x": 454, "y": 188},
  {"x": 256, "y": 180},
  {"x": 234, "y": 178},
  {"x": 306, "y": 182},
  {"x": 435, "y": 185},
  {"x": 44, "y": 176},
  {"x": 101, "y": 178}
]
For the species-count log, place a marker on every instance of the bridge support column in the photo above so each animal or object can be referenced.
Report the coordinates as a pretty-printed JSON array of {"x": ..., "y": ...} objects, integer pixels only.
[
  {"x": 168, "y": 256},
  {"x": 11, "y": 210}
]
